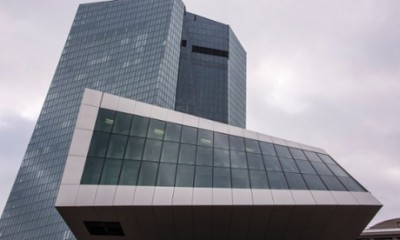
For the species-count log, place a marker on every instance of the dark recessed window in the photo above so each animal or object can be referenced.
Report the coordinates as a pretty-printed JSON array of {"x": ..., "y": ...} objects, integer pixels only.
[
  {"x": 210, "y": 51},
  {"x": 104, "y": 228},
  {"x": 183, "y": 43}
]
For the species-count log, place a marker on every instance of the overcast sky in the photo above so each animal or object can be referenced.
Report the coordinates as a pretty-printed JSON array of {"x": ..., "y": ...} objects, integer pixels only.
[{"x": 324, "y": 73}]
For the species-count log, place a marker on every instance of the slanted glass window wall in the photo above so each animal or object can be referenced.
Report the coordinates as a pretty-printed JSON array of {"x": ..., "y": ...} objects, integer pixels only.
[{"x": 133, "y": 150}]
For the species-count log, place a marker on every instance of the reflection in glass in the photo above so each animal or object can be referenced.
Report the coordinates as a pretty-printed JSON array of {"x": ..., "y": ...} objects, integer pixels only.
[
  {"x": 116, "y": 149},
  {"x": 295, "y": 181},
  {"x": 351, "y": 184},
  {"x": 173, "y": 132},
  {"x": 272, "y": 163},
  {"x": 288, "y": 165},
  {"x": 222, "y": 178},
  {"x": 184, "y": 176},
  {"x": 129, "y": 173},
  {"x": 166, "y": 174},
  {"x": 326, "y": 158},
  {"x": 105, "y": 120},
  {"x": 283, "y": 151},
  {"x": 312, "y": 156},
  {"x": 148, "y": 174},
  {"x": 321, "y": 168},
  {"x": 110, "y": 173},
  {"x": 238, "y": 159},
  {"x": 152, "y": 150},
  {"x": 187, "y": 154},
  {"x": 122, "y": 123},
  {"x": 203, "y": 176},
  {"x": 252, "y": 145},
  {"x": 314, "y": 182},
  {"x": 205, "y": 138},
  {"x": 170, "y": 152},
  {"x": 221, "y": 158},
  {"x": 204, "y": 156},
  {"x": 305, "y": 167},
  {"x": 156, "y": 129},
  {"x": 221, "y": 140},
  {"x": 139, "y": 126},
  {"x": 297, "y": 154},
  {"x": 236, "y": 143},
  {"x": 277, "y": 180},
  {"x": 99, "y": 144},
  {"x": 240, "y": 178},
  {"x": 189, "y": 135},
  {"x": 267, "y": 148},
  {"x": 255, "y": 161},
  {"x": 92, "y": 171},
  {"x": 258, "y": 179},
  {"x": 134, "y": 149},
  {"x": 333, "y": 183}
]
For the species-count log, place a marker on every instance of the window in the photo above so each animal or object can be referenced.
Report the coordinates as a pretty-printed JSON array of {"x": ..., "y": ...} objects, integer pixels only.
[
  {"x": 104, "y": 228},
  {"x": 210, "y": 51}
]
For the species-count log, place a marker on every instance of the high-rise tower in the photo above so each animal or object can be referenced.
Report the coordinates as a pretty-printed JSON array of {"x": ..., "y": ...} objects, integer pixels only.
[{"x": 130, "y": 48}]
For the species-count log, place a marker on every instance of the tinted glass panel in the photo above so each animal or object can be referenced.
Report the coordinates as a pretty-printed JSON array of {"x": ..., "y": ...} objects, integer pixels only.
[
  {"x": 134, "y": 149},
  {"x": 221, "y": 158},
  {"x": 116, "y": 149},
  {"x": 111, "y": 170},
  {"x": 277, "y": 180},
  {"x": 204, "y": 156},
  {"x": 222, "y": 178},
  {"x": 189, "y": 135},
  {"x": 139, "y": 126},
  {"x": 351, "y": 185},
  {"x": 129, "y": 173},
  {"x": 185, "y": 176},
  {"x": 327, "y": 159},
  {"x": 122, "y": 123},
  {"x": 305, "y": 167},
  {"x": 252, "y": 145},
  {"x": 173, "y": 132},
  {"x": 170, "y": 152},
  {"x": 205, "y": 138},
  {"x": 105, "y": 120},
  {"x": 221, "y": 140},
  {"x": 187, "y": 154},
  {"x": 297, "y": 154},
  {"x": 99, "y": 144},
  {"x": 152, "y": 150},
  {"x": 283, "y": 151},
  {"x": 236, "y": 143},
  {"x": 295, "y": 181},
  {"x": 338, "y": 171},
  {"x": 240, "y": 178},
  {"x": 288, "y": 165},
  {"x": 321, "y": 168},
  {"x": 148, "y": 174},
  {"x": 156, "y": 129},
  {"x": 203, "y": 176},
  {"x": 166, "y": 174},
  {"x": 333, "y": 183},
  {"x": 272, "y": 163},
  {"x": 255, "y": 161},
  {"x": 267, "y": 148},
  {"x": 314, "y": 182},
  {"x": 238, "y": 159},
  {"x": 312, "y": 156},
  {"x": 258, "y": 179},
  {"x": 92, "y": 172}
]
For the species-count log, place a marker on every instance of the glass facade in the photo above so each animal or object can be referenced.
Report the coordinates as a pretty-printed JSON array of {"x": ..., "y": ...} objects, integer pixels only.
[
  {"x": 212, "y": 72},
  {"x": 126, "y": 48},
  {"x": 170, "y": 154}
]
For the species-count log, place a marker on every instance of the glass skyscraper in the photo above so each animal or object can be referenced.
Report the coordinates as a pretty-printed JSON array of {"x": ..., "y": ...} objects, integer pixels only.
[{"x": 148, "y": 50}]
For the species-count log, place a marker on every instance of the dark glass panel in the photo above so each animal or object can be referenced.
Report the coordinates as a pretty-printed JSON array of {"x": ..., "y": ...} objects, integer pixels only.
[
  {"x": 314, "y": 182},
  {"x": 338, "y": 171},
  {"x": 321, "y": 168},
  {"x": 139, "y": 126},
  {"x": 205, "y": 138},
  {"x": 288, "y": 165},
  {"x": 99, "y": 144},
  {"x": 187, "y": 154},
  {"x": 236, "y": 143},
  {"x": 221, "y": 140},
  {"x": 277, "y": 180},
  {"x": 110, "y": 172},
  {"x": 170, "y": 152},
  {"x": 156, "y": 129},
  {"x": 305, "y": 167},
  {"x": 116, "y": 149},
  {"x": 351, "y": 184},
  {"x": 221, "y": 158},
  {"x": 240, "y": 178},
  {"x": 259, "y": 179},
  {"x": 252, "y": 145},
  {"x": 134, "y": 148},
  {"x": 222, "y": 178},
  {"x": 297, "y": 154},
  {"x": 184, "y": 176},
  {"x": 122, "y": 123},
  {"x": 189, "y": 135},
  {"x": 267, "y": 148},
  {"x": 166, "y": 174},
  {"x": 272, "y": 163},
  {"x": 152, "y": 150},
  {"x": 105, "y": 120},
  {"x": 173, "y": 132},
  {"x": 326, "y": 158},
  {"x": 312, "y": 156},
  {"x": 333, "y": 183},
  {"x": 203, "y": 176},
  {"x": 92, "y": 171},
  {"x": 129, "y": 173},
  {"x": 204, "y": 156},
  {"x": 283, "y": 151},
  {"x": 255, "y": 161},
  {"x": 238, "y": 159},
  {"x": 295, "y": 181},
  {"x": 148, "y": 174}
]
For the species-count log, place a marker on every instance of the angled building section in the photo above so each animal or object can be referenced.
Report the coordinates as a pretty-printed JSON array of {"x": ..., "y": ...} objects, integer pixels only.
[{"x": 153, "y": 173}]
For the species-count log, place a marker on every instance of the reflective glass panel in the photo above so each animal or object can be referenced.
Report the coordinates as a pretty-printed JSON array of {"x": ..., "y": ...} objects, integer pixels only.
[
  {"x": 321, "y": 168},
  {"x": 251, "y": 145},
  {"x": 221, "y": 140},
  {"x": 238, "y": 159},
  {"x": 184, "y": 176},
  {"x": 277, "y": 180},
  {"x": 105, "y": 120},
  {"x": 351, "y": 184},
  {"x": 283, "y": 151},
  {"x": 166, "y": 174},
  {"x": 189, "y": 135},
  {"x": 156, "y": 129},
  {"x": 99, "y": 144},
  {"x": 312, "y": 156},
  {"x": 205, "y": 138},
  {"x": 187, "y": 154},
  {"x": 204, "y": 156},
  {"x": 267, "y": 148},
  {"x": 173, "y": 132},
  {"x": 148, "y": 174},
  {"x": 221, "y": 158},
  {"x": 110, "y": 172},
  {"x": 203, "y": 176},
  {"x": 134, "y": 148},
  {"x": 327, "y": 159},
  {"x": 170, "y": 152},
  {"x": 139, "y": 126},
  {"x": 338, "y": 171},
  {"x": 314, "y": 182},
  {"x": 255, "y": 161},
  {"x": 222, "y": 177},
  {"x": 258, "y": 179},
  {"x": 305, "y": 167},
  {"x": 272, "y": 163},
  {"x": 333, "y": 183},
  {"x": 92, "y": 171},
  {"x": 288, "y": 165},
  {"x": 240, "y": 178},
  {"x": 295, "y": 181},
  {"x": 129, "y": 173},
  {"x": 152, "y": 150},
  {"x": 297, "y": 154},
  {"x": 236, "y": 143},
  {"x": 122, "y": 123},
  {"x": 116, "y": 149}
]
